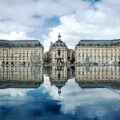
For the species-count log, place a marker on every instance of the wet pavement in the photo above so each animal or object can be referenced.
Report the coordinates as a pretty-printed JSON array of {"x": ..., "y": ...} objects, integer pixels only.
[{"x": 61, "y": 97}]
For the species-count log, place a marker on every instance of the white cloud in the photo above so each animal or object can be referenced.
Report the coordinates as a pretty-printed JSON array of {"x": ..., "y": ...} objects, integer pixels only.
[
  {"x": 78, "y": 19},
  {"x": 15, "y": 36},
  {"x": 98, "y": 22}
]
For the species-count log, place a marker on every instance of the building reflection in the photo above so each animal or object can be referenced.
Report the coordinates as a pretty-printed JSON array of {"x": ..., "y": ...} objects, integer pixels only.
[
  {"x": 59, "y": 76},
  {"x": 21, "y": 77},
  {"x": 85, "y": 76},
  {"x": 98, "y": 76}
]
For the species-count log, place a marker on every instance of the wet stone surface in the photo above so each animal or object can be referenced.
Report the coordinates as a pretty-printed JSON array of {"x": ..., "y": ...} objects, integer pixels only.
[{"x": 60, "y": 94}]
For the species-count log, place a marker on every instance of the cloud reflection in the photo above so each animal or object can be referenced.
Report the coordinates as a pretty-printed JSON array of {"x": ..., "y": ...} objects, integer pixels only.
[{"x": 44, "y": 102}]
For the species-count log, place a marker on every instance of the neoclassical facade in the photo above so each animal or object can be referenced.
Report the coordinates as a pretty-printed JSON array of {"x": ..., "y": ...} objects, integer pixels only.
[
  {"x": 20, "y": 52},
  {"x": 99, "y": 52},
  {"x": 58, "y": 52}
]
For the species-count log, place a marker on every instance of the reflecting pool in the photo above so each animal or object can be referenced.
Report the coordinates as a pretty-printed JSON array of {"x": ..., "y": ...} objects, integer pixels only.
[{"x": 60, "y": 93}]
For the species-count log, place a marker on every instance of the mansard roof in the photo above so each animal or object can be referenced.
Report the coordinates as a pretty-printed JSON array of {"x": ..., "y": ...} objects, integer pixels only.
[
  {"x": 59, "y": 42},
  {"x": 20, "y": 43},
  {"x": 98, "y": 42}
]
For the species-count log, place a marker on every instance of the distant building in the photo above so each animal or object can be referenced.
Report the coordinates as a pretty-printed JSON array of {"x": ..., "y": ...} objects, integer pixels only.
[
  {"x": 98, "y": 52},
  {"x": 58, "y": 52},
  {"x": 71, "y": 56},
  {"x": 46, "y": 58},
  {"x": 20, "y": 52}
]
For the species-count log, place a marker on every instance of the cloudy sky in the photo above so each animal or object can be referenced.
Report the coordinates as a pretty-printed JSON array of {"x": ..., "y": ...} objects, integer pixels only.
[{"x": 74, "y": 19}]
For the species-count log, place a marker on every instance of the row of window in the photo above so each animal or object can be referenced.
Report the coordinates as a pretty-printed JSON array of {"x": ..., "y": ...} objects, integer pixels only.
[
  {"x": 99, "y": 50},
  {"x": 99, "y": 73},
  {"x": 97, "y": 55},
  {"x": 98, "y": 77}
]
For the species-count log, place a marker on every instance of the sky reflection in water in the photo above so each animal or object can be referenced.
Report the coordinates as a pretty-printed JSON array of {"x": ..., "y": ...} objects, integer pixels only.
[{"x": 73, "y": 103}]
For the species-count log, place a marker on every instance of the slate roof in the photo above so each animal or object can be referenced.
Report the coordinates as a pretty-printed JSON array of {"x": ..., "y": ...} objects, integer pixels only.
[
  {"x": 20, "y": 43},
  {"x": 59, "y": 43},
  {"x": 98, "y": 42}
]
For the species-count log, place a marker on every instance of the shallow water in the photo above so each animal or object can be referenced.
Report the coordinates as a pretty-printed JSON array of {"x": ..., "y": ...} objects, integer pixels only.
[{"x": 60, "y": 93}]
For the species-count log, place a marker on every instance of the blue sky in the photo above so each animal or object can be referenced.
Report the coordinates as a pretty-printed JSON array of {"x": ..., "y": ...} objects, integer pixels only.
[{"x": 44, "y": 19}]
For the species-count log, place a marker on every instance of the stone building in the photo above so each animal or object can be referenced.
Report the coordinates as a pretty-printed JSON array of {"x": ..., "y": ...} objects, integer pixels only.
[
  {"x": 58, "y": 52},
  {"x": 71, "y": 56},
  {"x": 98, "y": 52},
  {"x": 46, "y": 58},
  {"x": 20, "y": 52}
]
